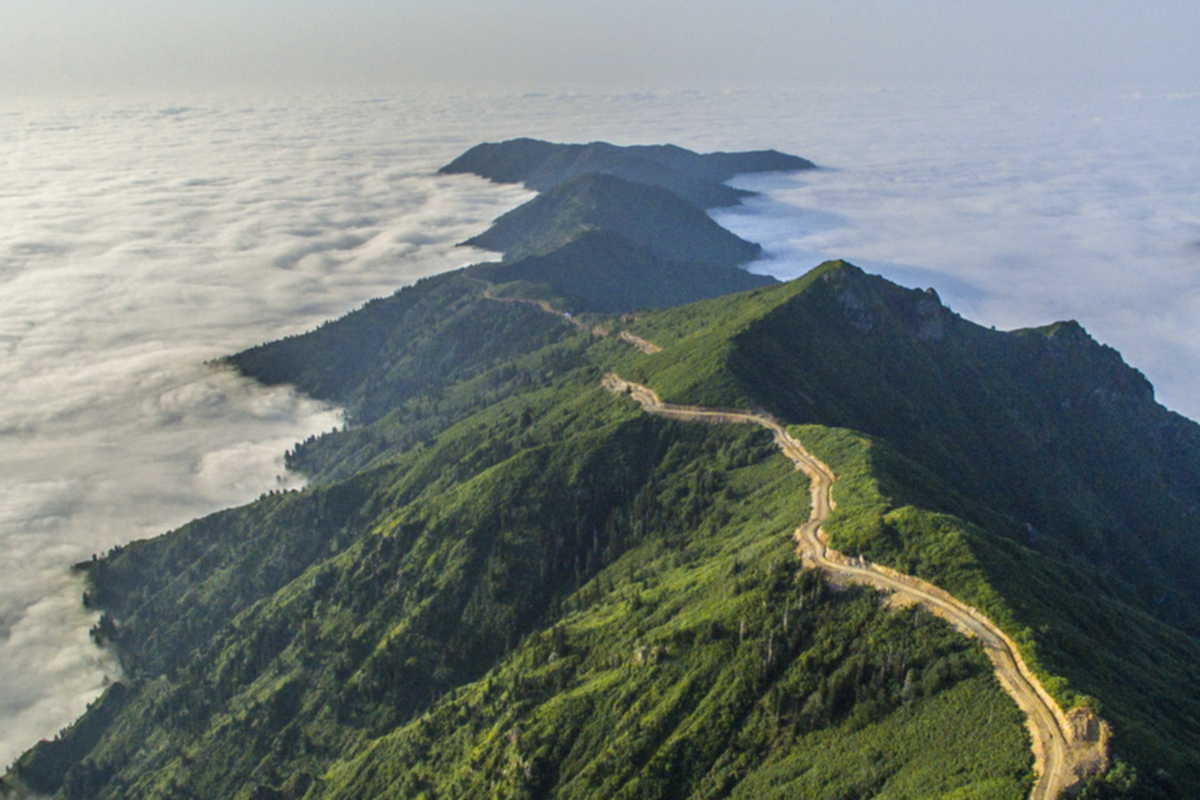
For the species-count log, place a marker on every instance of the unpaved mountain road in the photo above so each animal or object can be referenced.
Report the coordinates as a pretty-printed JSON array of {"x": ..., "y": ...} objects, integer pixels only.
[
  {"x": 649, "y": 348},
  {"x": 544, "y": 305},
  {"x": 1066, "y": 747}
]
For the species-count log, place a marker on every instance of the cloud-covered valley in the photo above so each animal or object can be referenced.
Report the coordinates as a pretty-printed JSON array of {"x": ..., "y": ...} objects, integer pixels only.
[
  {"x": 137, "y": 245},
  {"x": 141, "y": 239}
]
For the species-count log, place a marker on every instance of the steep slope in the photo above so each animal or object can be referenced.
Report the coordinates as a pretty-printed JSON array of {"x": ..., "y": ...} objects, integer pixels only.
[
  {"x": 694, "y": 177},
  {"x": 510, "y": 583},
  {"x": 1075, "y": 475},
  {"x": 1068, "y": 748},
  {"x": 602, "y": 272},
  {"x": 1073, "y": 623},
  {"x": 1118, "y": 474},
  {"x": 440, "y": 330},
  {"x": 646, "y": 215},
  {"x": 558, "y": 595},
  {"x": 443, "y": 330}
]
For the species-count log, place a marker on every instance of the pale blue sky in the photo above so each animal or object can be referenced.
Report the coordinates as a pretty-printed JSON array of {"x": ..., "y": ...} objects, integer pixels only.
[{"x": 178, "y": 44}]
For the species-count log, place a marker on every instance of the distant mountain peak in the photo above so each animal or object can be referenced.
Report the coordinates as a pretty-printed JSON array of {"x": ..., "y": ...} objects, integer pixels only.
[
  {"x": 696, "y": 177},
  {"x": 646, "y": 215}
]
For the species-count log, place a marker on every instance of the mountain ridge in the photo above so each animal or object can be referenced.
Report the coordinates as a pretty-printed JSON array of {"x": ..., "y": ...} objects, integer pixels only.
[
  {"x": 1067, "y": 748},
  {"x": 633, "y": 277},
  {"x": 696, "y": 178},
  {"x": 648, "y": 216},
  {"x": 504, "y": 582}
]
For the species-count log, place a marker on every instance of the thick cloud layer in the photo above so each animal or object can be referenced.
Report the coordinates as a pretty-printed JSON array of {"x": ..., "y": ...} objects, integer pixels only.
[
  {"x": 139, "y": 243},
  {"x": 141, "y": 239},
  {"x": 1019, "y": 210}
]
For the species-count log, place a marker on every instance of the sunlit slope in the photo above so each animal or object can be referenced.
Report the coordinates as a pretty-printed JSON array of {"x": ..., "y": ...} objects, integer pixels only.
[
  {"x": 1077, "y": 626},
  {"x": 556, "y": 596},
  {"x": 700, "y": 667},
  {"x": 1045, "y": 425},
  {"x": 512, "y": 583},
  {"x": 1076, "y": 478}
]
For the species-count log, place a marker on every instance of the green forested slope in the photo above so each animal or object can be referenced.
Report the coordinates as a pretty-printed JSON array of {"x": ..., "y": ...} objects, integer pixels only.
[
  {"x": 648, "y": 216},
  {"x": 559, "y": 596},
  {"x": 1080, "y": 534},
  {"x": 506, "y": 582},
  {"x": 443, "y": 330},
  {"x": 439, "y": 331},
  {"x": 629, "y": 277},
  {"x": 1046, "y": 426},
  {"x": 695, "y": 177},
  {"x": 1080, "y": 628}
]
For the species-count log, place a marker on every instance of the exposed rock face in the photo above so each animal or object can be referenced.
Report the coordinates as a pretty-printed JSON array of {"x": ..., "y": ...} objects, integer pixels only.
[
  {"x": 855, "y": 309},
  {"x": 933, "y": 317}
]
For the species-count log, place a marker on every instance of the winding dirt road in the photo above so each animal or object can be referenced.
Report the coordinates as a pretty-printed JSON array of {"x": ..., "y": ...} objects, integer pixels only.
[
  {"x": 544, "y": 305},
  {"x": 1065, "y": 747},
  {"x": 647, "y": 347}
]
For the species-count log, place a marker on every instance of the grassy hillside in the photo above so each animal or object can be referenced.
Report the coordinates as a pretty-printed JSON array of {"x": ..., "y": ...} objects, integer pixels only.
[
  {"x": 1080, "y": 629},
  {"x": 1076, "y": 477},
  {"x": 558, "y": 595},
  {"x": 1046, "y": 426},
  {"x": 694, "y": 177},
  {"x": 648, "y": 216},
  {"x": 506, "y": 582}
]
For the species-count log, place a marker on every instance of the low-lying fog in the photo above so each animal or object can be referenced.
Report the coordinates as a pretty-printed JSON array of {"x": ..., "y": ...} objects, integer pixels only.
[{"x": 142, "y": 238}]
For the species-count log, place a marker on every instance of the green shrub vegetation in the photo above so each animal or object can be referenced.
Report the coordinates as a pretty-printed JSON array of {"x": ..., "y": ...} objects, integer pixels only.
[
  {"x": 897, "y": 513},
  {"x": 503, "y": 581},
  {"x": 1045, "y": 427},
  {"x": 1080, "y": 532},
  {"x": 603, "y": 272},
  {"x": 648, "y": 216},
  {"x": 610, "y": 607}
]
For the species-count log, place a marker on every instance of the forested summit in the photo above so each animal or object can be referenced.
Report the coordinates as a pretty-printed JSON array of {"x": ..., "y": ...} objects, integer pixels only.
[
  {"x": 457, "y": 325},
  {"x": 697, "y": 178},
  {"x": 647, "y": 216},
  {"x": 593, "y": 243},
  {"x": 652, "y": 195},
  {"x": 504, "y": 581}
]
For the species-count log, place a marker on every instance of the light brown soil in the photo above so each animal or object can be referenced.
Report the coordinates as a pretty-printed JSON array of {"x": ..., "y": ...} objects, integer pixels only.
[{"x": 649, "y": 348}]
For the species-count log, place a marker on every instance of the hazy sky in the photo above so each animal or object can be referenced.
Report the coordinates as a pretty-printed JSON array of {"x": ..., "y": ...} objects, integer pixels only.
[{"x": 139, "y": 44}]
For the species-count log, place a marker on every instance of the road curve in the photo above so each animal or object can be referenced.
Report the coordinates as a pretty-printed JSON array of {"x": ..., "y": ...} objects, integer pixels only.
[
  {"x": 647, "y": 347},
  {"x": 1066, "y": 747}
]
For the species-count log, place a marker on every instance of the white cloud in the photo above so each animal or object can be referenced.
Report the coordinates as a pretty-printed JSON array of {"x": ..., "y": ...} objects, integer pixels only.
[
  {"x": 1020, "y": 210},
  {"x": 136, "y": 246}
]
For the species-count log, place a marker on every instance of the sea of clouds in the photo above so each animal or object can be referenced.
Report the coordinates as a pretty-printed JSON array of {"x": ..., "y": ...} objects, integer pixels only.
[
  {"x": 140, "y": 238},
  {"x": 1019, "y": 210}
]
